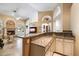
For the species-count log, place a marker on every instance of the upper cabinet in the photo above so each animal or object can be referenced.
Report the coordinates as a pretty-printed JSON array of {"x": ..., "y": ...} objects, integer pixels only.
[
  {"x": 61, "y": 17},
  {"x": 66, "y": 16}
]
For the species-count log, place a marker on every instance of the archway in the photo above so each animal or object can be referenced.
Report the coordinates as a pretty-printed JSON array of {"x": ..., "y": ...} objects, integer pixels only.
[
  {"x": 10, "y": 26},
  {"x": 46, "y": 23}
]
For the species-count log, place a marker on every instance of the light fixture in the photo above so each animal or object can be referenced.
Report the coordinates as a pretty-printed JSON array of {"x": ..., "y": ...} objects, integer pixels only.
[{"x": 17, "y": 18}]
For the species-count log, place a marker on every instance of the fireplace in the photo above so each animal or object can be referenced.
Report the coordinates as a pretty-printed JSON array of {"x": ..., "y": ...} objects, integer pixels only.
[{"x": 10, "y": 31}]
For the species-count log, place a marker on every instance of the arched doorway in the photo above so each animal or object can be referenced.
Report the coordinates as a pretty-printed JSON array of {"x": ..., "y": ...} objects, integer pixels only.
[
  {"x": 47, "y": 23},
  {"x": 10, "y": 27}
]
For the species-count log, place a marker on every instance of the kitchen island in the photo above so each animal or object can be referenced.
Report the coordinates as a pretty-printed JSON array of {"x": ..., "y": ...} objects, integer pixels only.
[{"x": 37, "y": 44}]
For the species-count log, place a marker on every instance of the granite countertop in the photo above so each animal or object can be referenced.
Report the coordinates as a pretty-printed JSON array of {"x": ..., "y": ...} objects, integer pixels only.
[
  {"x": 35, "y": 35},
  {"x": 30, "y": 35},
  {"x": 42, "y": 41},
  {"x": 64, "y": 35}
]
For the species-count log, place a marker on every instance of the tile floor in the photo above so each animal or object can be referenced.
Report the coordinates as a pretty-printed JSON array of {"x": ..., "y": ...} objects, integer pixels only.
[
  {"x": 12, "y": 49},
  {"x": 15, "y": 48}
]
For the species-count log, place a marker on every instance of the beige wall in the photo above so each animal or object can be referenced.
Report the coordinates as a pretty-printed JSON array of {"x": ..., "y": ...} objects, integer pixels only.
[
  {"x": 75, "y": 25},
  {"x": 42, "y": 14},
  {"x": 10, "y": 24},
  {"x": 66, "y": 16},
  {"x": 5, "y": 18}
]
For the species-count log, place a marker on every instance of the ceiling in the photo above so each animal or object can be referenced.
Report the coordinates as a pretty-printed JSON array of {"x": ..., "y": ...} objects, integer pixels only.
[
  {"x": 21, "y": 8},
  {"x": 43, "y": 6},
  {"x": 37, "y": 6}
]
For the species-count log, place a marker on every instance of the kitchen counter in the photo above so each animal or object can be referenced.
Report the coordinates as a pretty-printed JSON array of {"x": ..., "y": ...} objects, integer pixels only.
[
  {"x": 65, "y": 43},
  {"x": 31, "y": 36},
  {"x": 36, "y": 44},
  {"x": 35, "y": 34},
  {"x": 64, "y": 35},
  {"x": 43, "y": 41}
]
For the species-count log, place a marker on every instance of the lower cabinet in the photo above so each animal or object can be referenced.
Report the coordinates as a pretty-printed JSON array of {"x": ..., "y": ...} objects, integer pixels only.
[
  {"x": 59, "y": 45},
  {"x": 68, "y": 47},
  {"x": 51, "y": 49},
  {"x": 37, "y": 50},
  {"x": 65, "y": 46}
]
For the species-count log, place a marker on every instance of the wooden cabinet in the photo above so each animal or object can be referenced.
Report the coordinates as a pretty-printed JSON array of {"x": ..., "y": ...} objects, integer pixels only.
[
  {"x": 59, "y": 45},
  {"x": 51, "y": 49},
  {"x": 68, "y": 47},
  {"x": 65, "y": 46},
  {"x": 39, "y": 50},
  {"x": 61, "y": 17},
  {"x": 66, "y": 16},
  {"x": 26, "y": 46}
]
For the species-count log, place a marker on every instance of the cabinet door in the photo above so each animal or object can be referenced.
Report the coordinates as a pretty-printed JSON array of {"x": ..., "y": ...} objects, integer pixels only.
[
  {"x": 49, "y": 53},
  {"x": 53, "y": 47},
  {"x": 68, "y": 47},
  {"x": 59, "y": 45}
]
